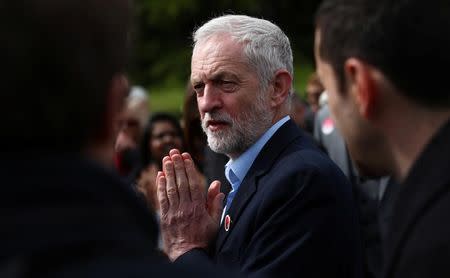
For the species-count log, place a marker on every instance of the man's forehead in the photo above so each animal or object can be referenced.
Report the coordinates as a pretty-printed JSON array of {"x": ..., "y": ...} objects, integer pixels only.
[
  {"x": 214, "y": 75},
  {"x": 223, "y": 67},
  {"x": 217, "y": 48}
]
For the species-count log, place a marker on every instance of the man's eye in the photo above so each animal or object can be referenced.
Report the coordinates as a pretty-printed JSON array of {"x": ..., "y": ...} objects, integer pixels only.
[
  {"x": 198, "y": 88},
  {"x": 227, "y": 85}
]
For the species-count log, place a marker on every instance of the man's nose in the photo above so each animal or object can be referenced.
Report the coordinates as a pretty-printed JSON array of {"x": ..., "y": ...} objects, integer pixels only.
[{"x": 210, "y": 100}]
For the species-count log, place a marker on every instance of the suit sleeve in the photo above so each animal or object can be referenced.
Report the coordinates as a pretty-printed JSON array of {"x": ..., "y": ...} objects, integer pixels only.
[
  {"x": 193, "y": 257},
  {"x": 198, "y": 258}
]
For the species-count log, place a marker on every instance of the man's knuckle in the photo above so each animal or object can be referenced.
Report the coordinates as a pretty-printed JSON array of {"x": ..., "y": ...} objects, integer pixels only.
[{"x": 171, "y": 191}]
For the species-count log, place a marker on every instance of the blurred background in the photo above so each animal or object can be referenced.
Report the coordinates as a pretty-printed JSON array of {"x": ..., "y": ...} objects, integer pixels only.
[{"x": 162, "y": 41}]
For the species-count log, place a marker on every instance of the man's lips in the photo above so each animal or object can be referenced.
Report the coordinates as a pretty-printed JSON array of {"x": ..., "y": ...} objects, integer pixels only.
[{"x": 216, "y": 125}]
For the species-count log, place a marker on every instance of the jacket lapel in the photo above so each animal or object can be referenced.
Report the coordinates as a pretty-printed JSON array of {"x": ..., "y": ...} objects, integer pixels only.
[{"x": 262, "y": 164}]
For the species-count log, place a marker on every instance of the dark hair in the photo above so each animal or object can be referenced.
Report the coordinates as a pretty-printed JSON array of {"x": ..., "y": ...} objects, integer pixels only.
[
  {"x": 146, "y": 155},
  {"x": 404, "y": 39},
  {"x": 58, "y": 59}
]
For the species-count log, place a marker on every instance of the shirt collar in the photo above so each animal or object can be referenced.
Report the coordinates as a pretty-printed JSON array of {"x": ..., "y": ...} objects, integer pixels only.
[{"x": 242, "y": 164}]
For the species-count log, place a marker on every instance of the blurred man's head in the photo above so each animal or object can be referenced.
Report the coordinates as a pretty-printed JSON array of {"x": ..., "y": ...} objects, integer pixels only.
[
  {"x": 298, "y": 110},
  {"x": 61, "y": 86},
  {"x": 314, "y": 89},
  {"x": 130, "y": 129},
  {"x": 132, "y": 120},
  {"x": 377, "y": 61}
]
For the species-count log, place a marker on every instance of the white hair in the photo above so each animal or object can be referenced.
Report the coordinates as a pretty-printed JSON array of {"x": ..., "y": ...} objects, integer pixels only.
[
  {"x": 137, "y": 94},
  {"x": 266, "y": 47},
  {"x": 323, "y": 99},
  {"x": 137, "y": 103}
]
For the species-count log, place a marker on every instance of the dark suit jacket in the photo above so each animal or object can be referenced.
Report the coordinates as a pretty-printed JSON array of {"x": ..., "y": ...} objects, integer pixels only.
[
  {"x": 293, "y": 215},
  {"x": 64, "y": 216},
  {"x": 418, "y": 239}
]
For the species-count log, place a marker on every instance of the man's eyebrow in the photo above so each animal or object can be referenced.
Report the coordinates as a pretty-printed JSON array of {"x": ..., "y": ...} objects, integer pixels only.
[
  {"x": 216, "y": 76},
  {"x": 195, "y": 79},
  {"x": 224, "y": 75}
]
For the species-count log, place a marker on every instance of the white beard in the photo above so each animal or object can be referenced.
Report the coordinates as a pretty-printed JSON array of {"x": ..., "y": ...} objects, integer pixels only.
[{"x": 242, "y": 132}]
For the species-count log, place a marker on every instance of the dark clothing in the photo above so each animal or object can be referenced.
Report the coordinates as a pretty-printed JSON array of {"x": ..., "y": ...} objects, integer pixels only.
[
  {"x": 293, "y": 215},
  {"x": 129, "y": 165},
  {"x": 418, "y": 244},
  {"x": 309, "y": 121},
  {"x": 64, "y": 216},
  {"x": 366, "y": 191},
  {"x": 386, "y": 208},
  {"x": 214, "y": 169}
]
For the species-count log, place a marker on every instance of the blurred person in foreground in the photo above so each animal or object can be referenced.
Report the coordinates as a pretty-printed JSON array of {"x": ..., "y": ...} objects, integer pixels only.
[
  {"x": 376, "y": 59},
  {"x": 290, "y": 212},
  {"x": 131, "y": 124},
  {"x": 64, "y": 212},
  {"x": 370, "y": 193}
]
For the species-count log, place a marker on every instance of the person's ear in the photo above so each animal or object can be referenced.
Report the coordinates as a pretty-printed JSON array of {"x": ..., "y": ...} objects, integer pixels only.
[
  {"x": 362, "y": 84},
  {"x": 281, "y": 85}
]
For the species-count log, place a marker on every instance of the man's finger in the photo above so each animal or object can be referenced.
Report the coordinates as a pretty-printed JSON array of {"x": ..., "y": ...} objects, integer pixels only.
[
  {"x": 161, "y": 193},
  {"x": 195, "y": 182},
  {"x": 173, "y": 152},
  {"x": 181, "y": 178},
  {"x": 171, "y": 185}
]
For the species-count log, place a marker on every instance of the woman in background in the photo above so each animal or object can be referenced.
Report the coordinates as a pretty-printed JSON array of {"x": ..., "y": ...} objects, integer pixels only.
[{"x": 162, "y": 133}]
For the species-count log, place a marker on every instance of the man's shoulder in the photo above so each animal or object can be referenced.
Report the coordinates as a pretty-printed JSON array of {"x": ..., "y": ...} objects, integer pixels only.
[
  {"x": 303, "y": 153},
  {"x": 301, "y": 166},
  {"x": 421, "y": 204},
  {"x": 424, "y": 247},
  {"x": 291, "y": 150}
]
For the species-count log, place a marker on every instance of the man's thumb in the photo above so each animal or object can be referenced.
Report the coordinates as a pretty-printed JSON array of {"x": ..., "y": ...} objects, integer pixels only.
[
  {"x": 215, "y": 201},
  {"x": 217, "y": 207}
]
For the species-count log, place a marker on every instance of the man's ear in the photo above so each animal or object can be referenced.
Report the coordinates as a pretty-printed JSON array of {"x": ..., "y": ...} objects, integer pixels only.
[
  {"x": 281, "y": 85},
  {"x": 362, "y": 85}
]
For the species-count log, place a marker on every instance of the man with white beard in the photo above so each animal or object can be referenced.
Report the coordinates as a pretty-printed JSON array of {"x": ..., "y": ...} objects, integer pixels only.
[{"x": 290, "y": 211}]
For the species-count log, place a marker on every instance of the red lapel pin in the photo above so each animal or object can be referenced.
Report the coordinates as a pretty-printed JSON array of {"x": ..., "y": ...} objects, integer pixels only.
[{"x": 227, "y": 223}]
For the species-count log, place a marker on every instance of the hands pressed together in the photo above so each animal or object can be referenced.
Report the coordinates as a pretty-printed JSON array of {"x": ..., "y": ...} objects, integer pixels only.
[{"x": 190, "y": 218}]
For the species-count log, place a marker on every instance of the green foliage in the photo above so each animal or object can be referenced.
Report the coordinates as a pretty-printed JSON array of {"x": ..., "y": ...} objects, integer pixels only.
[
  {"x": 302, "y": 71},
  {"x": 167, "y": 98}
]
